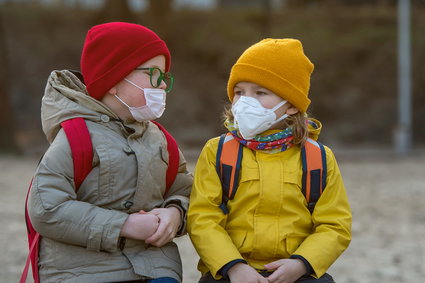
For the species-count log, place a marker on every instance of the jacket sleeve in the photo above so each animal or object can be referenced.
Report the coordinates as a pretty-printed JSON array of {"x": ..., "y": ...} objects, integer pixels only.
[
  {"x": 55, "y": 211},
  {"x": 206, "y": 221},
  {"x": 178, "y": 196},
  {"x": 332, "y": 223}
]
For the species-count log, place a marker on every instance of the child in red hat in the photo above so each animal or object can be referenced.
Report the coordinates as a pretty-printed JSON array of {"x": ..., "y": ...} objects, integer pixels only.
[{"x": 120, "y": 224}]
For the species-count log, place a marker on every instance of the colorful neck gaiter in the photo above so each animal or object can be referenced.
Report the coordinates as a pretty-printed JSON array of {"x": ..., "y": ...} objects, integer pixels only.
[{"x": 272, "y": 143}]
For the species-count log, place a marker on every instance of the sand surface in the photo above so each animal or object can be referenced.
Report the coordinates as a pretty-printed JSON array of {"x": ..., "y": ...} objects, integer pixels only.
[{"x": 387, "y": 196}]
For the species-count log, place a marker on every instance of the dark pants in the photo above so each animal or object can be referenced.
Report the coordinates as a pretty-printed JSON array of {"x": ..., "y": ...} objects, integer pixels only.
[
  {"x": 157, "y": 280},
  {"x": 207, "y": 278},
  {"x": 163, "y": 280}
]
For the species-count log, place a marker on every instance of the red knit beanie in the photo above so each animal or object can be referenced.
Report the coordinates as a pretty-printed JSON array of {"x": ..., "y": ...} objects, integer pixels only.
[{"x": 113, "y": 50}]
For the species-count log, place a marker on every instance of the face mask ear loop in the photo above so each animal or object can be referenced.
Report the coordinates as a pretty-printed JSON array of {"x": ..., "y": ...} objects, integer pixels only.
[
  {"x": 130, "y": 82},
  {"x": 121, "y": 101},
  {"x": 282, "y": 117},
  {"x": 279, "y": 105}
]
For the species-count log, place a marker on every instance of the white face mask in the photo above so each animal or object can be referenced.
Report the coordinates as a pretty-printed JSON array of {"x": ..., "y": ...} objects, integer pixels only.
[
  {"x": 251, "y": 118},
  {"x": 155, "y": 104}
]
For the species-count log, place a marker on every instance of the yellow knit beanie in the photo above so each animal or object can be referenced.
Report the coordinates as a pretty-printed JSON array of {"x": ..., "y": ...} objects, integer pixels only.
[{"x": 279, "y": 65}]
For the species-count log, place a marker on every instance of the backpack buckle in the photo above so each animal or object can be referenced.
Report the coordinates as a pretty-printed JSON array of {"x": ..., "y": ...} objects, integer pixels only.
[
  {"x": 311, "y": 206},
  {"x": 224, "y": 208}
]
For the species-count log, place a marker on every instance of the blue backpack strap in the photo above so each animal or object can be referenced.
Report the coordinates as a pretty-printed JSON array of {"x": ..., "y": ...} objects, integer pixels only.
[
  {"x": 313, "y": 157},
  {"x": 229, "y": 160},
  {"x": 228, "y": 165}
]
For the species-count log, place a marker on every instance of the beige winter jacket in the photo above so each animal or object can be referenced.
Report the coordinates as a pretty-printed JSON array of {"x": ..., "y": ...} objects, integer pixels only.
[{"x": 80, "y": 231}]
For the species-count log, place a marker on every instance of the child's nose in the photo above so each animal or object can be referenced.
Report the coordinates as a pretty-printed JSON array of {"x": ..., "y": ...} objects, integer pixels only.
[
  {"x": 163, "y": 85},
  {"x": 250, "y": 94}
]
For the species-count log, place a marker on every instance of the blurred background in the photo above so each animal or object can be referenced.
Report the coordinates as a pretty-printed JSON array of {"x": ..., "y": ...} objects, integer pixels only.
[
  {"x": 353, "y": 44},
  {"x": 368, "y": 89}
]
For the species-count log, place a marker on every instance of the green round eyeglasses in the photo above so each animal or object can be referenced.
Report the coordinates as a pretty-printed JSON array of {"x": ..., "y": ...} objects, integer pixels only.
[{"x": 157, "y": 77}]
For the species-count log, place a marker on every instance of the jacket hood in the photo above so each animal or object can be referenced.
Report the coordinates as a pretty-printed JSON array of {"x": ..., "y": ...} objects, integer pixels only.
[
  {"x": 314, "y": 128},
  {"x": 66, "y": 97}
]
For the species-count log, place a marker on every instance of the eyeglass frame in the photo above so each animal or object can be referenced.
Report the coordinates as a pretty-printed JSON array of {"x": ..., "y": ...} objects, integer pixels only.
[{"x": 161, "y": 78}]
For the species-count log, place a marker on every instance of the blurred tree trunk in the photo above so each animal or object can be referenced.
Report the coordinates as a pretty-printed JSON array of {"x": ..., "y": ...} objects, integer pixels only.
[
  {"x": 59, "y": 3},
  {"x": 116, "y": 10},
  {"x": 159, "y": 12},
  {"x": 7, "y": 125},
  {"x": 160, "y": 8},
  {"x": 267, "y": 18},
  {"x": 385, "y": 3},
  {"x": 294, "y": 3}
]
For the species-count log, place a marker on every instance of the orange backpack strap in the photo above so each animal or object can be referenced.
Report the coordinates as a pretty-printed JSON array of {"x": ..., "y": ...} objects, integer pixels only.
[
  {"x": 228, "y": 165},
  {"x": 229, "y": 160},
  {"x": 82, "y": 155},
  {"x": 313, "y": 157}
]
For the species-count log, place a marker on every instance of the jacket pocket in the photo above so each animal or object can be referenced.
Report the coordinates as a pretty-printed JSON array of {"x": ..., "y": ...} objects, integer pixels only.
[
  {"x": 292, "y": 181},
  {"x": 293, "y": 177},
  {"x": 153, "y": 261},
  {"x": 172, "y": 252},
  {"x": 249, "y": 174},
  {"x": 67, "y": 257}
]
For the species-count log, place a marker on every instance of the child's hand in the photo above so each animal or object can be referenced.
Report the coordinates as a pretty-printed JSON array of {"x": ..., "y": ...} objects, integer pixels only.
[
  {"x": 243, "y": 273},
  {"x": 286, "y": 270},
  {"x": 139, "y": 226},
  {"x": 169, "y": 222}
]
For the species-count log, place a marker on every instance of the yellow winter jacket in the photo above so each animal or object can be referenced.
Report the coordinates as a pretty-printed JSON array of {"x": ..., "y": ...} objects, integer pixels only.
[{"x": 268, "y": 218}]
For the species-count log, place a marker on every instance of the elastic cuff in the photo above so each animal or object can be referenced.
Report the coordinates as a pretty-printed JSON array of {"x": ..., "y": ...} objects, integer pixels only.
[
  {"x": 223, "y": 271},
  {"x": 306, "y": 263}
]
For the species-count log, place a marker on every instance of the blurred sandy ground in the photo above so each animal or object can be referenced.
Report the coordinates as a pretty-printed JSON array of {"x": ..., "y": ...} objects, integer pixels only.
[{"x": 387, "y": 196}]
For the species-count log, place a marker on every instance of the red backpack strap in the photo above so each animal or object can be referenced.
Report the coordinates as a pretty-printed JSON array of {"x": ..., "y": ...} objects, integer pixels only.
[
  {"x": 313, "y": 156},
  {"x": 228, "y": 165},
  {"x": 173, "y": 158},
  {"x": 81, "y": 146},
  {"x": 82, "y": 155},
  {"x": 33, "y": 245}
]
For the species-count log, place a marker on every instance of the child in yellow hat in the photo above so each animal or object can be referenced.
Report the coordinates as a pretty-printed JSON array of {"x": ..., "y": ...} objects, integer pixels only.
[{"x": 266, "y": 230}]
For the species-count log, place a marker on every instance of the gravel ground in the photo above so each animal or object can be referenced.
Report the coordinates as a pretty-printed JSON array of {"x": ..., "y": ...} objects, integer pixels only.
[{"x": 387, "y": 196}]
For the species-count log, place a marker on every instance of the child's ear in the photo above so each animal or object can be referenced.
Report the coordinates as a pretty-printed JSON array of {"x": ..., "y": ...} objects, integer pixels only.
[
  {"x": 292, "y": 110},
  {"x": 113, "y": 90}
]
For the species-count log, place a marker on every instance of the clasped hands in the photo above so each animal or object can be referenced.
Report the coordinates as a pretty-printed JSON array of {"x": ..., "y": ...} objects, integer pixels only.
[
  {"x": 156, "y": 227},
  {"x": 284, "y": 271}
]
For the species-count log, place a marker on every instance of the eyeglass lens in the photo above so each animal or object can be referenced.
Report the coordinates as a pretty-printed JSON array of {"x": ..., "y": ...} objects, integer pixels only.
[{"x": 157, "y": 76}]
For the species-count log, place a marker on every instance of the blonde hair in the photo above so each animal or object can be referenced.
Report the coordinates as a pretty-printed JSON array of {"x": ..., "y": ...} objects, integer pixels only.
[{"x": 298, "y": 123}]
